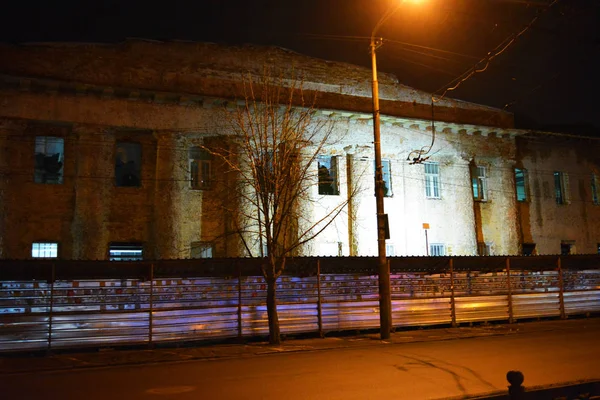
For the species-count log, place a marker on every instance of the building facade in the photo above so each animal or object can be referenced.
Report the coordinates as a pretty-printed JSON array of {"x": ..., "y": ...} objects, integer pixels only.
[{"x": 102, "y": 156}]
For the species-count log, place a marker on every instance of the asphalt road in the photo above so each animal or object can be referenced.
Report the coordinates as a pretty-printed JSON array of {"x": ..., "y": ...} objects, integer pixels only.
[{"x": 425, "y": 370}]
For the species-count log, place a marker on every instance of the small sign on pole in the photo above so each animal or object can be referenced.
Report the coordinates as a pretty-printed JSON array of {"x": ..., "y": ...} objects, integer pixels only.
[{"x": 425, "y": 227}]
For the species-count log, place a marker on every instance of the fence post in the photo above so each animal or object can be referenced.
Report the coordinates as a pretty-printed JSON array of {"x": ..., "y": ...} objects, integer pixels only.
[
  {"x": 561, "y": 289},
  {"x": 239, "y": 307},
  {"x": 509, "y": 287},
  {"x": 319, "y": 306},
  {"x": 52, "y": 278},
  {"x": 452, "y": 301},
  {"x": 151, "y": 308}
]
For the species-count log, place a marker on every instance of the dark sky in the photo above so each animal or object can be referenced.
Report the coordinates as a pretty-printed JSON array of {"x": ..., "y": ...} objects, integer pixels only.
[{"x": 548, "y": 76}]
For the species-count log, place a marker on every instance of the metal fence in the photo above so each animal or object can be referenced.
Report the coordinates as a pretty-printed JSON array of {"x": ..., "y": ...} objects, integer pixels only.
[{"x": 67, "y": 304}]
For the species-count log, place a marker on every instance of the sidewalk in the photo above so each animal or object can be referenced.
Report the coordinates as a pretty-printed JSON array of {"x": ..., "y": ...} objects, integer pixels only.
[{"x": 27, "y": 363}]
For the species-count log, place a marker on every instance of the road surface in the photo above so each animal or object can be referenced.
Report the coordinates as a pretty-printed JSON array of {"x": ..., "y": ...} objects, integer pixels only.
[{"x": 425, "y": 370}]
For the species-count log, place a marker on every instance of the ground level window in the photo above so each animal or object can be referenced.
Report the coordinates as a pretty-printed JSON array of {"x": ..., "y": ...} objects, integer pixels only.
[
  {"x": 44, "y": 250},
  {"x": 437, "y": 249},
  {"x": 484, "y": 249},
  {"x": 126, "y": 252},
  {"x": 528, "y": 249},
  {"x": 202, "y": 250},
  {"x": 567, "y": 247}
]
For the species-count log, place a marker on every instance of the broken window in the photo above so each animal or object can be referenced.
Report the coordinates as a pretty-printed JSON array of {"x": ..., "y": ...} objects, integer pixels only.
[
  {"x": 386, "y": 173},
  {"x": 567, "y": 247},
  {"x": 595, "y": 198},
  {"x": 561, "y": 188},
  {"x": 521, "y": 184},
  {"x": 125, "y": 251},
  {"x": 49, "y": 159},
  {"x": 200, "y": 168},
  {"x": 128, "y": 164},
  {"x": 479, "y": 181},
  {"x": 202, "y": 250},
  {"x": 437, "y": 249},
  {"x": 44, "y": 250},
  {"x": 432, "y": 180},
  {"x": 328, "y": 175},
  {"x": 528, "y": 249}
]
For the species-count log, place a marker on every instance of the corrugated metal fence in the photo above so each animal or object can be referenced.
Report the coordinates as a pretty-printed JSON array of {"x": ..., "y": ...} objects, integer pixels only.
[{"x": 66, "y": 304}]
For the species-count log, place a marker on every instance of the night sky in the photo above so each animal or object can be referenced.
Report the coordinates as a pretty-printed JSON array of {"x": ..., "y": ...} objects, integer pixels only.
[{"x": 548, "y": 77}]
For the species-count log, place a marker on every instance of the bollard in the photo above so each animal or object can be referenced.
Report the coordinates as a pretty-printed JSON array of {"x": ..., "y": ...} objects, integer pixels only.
[{"x": 516, "y": 391}]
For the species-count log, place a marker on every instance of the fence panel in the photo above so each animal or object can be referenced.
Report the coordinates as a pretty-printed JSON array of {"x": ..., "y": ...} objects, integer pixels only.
[
  {"x": 24, "y": 315},
  {"x": 421, "y": 298},
  {"x": 194, "y": 308},
  {"x": 582, "y": 291},
  {"x": 349, "y": 301},
  {"x": 94, "y": 312},
  {"x": 481, "y": 296},
  {"x": 535, "y": 293}
]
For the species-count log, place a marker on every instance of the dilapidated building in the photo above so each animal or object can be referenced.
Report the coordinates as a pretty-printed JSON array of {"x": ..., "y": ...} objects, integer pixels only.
[{"x": 101, "y": 156}]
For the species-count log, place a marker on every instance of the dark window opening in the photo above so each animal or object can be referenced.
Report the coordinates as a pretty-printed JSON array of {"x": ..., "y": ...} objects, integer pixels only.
[
  {"x": 529, "y": 249},
  {"x": 126, "y": 252},
  {"x": 567, "y": 248},
  {"x": 128, "y": 165},
  {"x": 49, "y": 159},
  {"x": 561, "y": 187},
  {"x": 328, "y": 176},
  {"x": 484, "y": 249},
  {"x": 200, "y": 168}
]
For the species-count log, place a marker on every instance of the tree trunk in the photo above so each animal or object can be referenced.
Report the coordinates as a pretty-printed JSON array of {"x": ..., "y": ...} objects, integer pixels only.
[{"x": 274, "y": 336}]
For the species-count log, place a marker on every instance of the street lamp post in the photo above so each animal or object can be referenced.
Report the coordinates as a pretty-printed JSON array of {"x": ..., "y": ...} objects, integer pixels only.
[{"x": 385, "y": 300}]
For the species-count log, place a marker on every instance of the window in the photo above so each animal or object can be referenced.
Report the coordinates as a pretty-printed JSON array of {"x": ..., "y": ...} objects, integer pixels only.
[
  {"x": 202, "y": 250},
  {"x": 49, "y": 159},
  {"x": 437, "y": 249},
  {"x": 484, "y": 249},
  {"x": 521, "y": 184},
  {"x": 390, "y": 251},
  {"x": 387, "y": 177},
  {"x": 479, "y": 180},
  {"x": 528, "y": 249},
  {"x": 432, "y": 180},
  {"x": 598, "y": 248},
  {"x": 328, "y": 175},
  {"x": 44, "y": 250},
  {"x": 567, "y": 247},
  {"x": 125, "y": 252},
  {"x": 595, "y": 198},
  {"x": 128, "y": 164},
  {"x": 200, "y": 168},
  {"x": 561, "y": 188}
]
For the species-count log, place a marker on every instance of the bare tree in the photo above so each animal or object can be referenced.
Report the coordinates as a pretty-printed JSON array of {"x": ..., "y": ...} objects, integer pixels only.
[{"x": 276, "y": 136}]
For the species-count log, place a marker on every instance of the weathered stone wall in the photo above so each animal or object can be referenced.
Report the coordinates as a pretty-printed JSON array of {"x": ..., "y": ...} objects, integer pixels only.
[
  {"x": 543, "y": 221},
  {"x": 206, "y": 69}
]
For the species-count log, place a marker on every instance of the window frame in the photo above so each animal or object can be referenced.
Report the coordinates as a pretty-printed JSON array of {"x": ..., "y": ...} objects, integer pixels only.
[
  {"x": 432, "y": 180},
  {"x": 594, "y": 187},
  {"x": 434, "y": 247},
  {"x": 138, "y": 170},
  {"x": 524, "y": 186},
  {"x": 55, "y": 249},
  {"x": 40, "y": 174},
  {"x": 562, "y": 189},
  {"x": 202, "y": 247},
  {"x": 200, "y": 165},
  {"x": 387, "y": 182},
  {"x": 479, "y": 181},
  {"x": 134, "y": 246},
  {"x": 334, "y": 182}
]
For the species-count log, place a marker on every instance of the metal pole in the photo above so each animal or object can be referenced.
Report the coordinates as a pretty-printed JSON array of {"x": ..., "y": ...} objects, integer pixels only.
[
  {"x": 452, "y": 300},
  {"x": 561, "y": 289},
  {"x": 239, "y": 309},
  {"x": 151, "y": 308},
  {"x": 319, "y": 304},
  {"x": 52, "y": 277},
  {"x": 509, "y": 284},
  {"x": 385, "y": 301}
]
